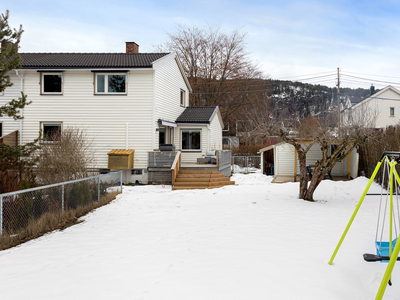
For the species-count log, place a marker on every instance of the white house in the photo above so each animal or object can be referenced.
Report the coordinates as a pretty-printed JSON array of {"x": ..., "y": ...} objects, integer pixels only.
[
  {"x": 382, "y": 107},
  {"x": 129, "y": 100},
  {"x": 281, "y": 159}
]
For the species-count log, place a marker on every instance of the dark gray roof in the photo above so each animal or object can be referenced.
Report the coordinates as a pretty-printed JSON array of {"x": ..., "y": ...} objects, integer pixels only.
[
  {"x": 197, "y": 114},
  {"x": 88, "y": 60}
]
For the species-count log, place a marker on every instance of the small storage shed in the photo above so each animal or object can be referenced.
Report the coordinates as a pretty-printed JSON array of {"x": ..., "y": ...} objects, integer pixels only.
[
  {"x": 119, "y": 159},
  {"x": 281, "y": 158}
]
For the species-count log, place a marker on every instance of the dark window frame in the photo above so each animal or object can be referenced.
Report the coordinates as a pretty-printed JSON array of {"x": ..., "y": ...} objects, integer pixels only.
[
  {"x": 50, "y": 138},
  {"x": 43, "y": 84}
]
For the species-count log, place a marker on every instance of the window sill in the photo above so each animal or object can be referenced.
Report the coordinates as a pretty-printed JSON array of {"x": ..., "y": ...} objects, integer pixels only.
[
  {"x": 51, "y": 94},
  {"x": 193, "y": 151}
]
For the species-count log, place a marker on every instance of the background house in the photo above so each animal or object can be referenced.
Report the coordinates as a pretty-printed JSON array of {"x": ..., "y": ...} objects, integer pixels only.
[
  {"x": 126, "y": 100},
  {"x": 383, "y": 107}
]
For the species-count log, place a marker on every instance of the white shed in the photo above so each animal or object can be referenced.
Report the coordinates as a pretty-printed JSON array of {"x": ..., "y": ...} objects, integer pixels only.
[{"x": 281, "y": 159}]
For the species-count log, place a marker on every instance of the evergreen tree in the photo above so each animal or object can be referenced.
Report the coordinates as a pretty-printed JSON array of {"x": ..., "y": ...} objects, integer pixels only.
[
  {"x": 16, "y": 162},
  {"x": 10, "y": 60}
]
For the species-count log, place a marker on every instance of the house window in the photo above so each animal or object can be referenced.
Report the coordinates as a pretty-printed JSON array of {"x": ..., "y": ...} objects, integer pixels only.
[
  {"x": 51, "y": 131},
  {"x": 392, "y": 111},
  {"x": 183, "y": 97},
  {"x": 136, "y": 172},
  {"x": 191, "y": 139},
  {"x": 110, "y": 84},
  {"x": 51, "y": 83},
  {"x": 1, "y": 129}
]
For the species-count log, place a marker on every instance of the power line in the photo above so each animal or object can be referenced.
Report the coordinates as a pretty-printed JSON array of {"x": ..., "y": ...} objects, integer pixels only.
[
  {"x": 305, "y": 75},
  {"x": 371, "y": 80},
  {"x": 373, "y": 75}
]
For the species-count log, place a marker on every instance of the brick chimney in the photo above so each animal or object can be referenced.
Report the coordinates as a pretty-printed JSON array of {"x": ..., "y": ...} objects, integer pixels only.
[{"x": 132, "y": 47}]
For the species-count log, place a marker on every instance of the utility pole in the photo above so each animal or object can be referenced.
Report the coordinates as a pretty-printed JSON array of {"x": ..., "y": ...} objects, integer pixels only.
[{"x": 338, "y": 99}]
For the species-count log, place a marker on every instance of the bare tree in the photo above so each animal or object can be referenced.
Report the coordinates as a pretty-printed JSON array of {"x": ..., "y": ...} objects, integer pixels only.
[
  {"x": 302, "y": 134},
  {"x": 218, "y": 67},
  {"x": 65, "y": 156}
]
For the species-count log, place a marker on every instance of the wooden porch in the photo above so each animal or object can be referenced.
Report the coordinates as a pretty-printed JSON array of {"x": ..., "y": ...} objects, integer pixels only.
[{"x": 200, "y": 176}]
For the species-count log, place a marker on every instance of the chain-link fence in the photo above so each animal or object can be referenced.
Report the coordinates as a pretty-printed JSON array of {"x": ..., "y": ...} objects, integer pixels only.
[
  {"x": 19, "y": 208},
  {"x": 245, "y": 164}
]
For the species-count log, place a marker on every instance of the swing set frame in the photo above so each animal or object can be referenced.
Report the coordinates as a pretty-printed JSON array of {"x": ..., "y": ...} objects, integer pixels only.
[{"x": 392, "y": 254}]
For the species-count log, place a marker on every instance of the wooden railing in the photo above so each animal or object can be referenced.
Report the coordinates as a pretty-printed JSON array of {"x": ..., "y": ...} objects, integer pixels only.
[
  {"x": 10, "y": 139},
  {"x": 175, "y": 166}
]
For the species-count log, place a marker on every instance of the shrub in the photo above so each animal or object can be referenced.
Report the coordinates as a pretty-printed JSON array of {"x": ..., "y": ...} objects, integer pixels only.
[{"x": 66, "y": 157}]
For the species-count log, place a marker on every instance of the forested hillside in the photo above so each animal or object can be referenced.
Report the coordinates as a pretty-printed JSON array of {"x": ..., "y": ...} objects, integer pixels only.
[{"x": 303, "y": 99}]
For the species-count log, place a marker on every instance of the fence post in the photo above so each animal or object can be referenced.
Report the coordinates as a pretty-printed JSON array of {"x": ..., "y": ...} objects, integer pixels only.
[
  {"x": 247, "y": 164},
  {"x": 1, "y": 215},
  {"x": 62, "y": 198},
  {"x": 98, "y": 189}
]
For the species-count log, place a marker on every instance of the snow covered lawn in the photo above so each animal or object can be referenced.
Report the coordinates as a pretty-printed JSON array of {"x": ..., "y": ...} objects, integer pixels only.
[{"x": 252, "y": 241}]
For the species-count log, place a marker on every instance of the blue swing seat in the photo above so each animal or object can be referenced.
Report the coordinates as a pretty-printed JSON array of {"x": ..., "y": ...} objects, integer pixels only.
[{"x": 382, "y": 248}]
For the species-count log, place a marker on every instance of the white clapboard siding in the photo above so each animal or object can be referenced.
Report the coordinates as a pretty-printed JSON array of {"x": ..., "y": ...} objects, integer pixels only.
[
  {"x": 216, "y": 127},
  {"x": 168, "y": 89},
  {"x": 189, "y": 156},
  {"x": 103, "y": 117},
  {"x": 13, "y": 92},
  {"x": 284, "y": 159},
  {"x": 169, "y": 83}
]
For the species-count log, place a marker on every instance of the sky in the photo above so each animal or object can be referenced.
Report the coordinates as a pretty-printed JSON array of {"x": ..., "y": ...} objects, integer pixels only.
[{"x": 289, "y": 40}]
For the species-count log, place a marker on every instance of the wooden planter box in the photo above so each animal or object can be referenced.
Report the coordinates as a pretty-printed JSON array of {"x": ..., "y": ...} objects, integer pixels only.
[{"x": 120, "y": 159}]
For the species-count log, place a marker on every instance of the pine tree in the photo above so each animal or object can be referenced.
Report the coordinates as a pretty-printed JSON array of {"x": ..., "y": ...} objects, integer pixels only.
[
  {"x": 16, "y": 162},
  {"x": 10, "y": 60}
]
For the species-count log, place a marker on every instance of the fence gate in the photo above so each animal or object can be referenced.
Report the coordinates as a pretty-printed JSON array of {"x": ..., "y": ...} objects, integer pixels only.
[{"x": 246, "y": 164}]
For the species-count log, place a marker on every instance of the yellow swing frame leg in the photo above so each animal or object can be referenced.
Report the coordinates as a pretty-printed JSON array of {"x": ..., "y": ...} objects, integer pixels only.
[
  {"x": 388, "y": 272},
  {"x": 393, "y": 255},
  {"x": 355, "y": 211}
]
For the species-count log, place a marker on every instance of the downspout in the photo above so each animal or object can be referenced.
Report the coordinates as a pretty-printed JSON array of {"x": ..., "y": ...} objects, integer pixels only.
[
  {"x": 22, "y": 110},
  {"x": 127, "y": 136}
]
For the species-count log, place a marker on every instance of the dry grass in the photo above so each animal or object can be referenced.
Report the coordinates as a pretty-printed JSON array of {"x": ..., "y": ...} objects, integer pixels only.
[{"x": 52, "y": 221}]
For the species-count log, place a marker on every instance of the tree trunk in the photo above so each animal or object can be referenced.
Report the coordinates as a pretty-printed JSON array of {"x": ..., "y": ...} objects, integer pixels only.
[
  {"x": 315, "y": 181},
  {"x": 317, "y": 176},
  {"x": 303, "y": 174}
]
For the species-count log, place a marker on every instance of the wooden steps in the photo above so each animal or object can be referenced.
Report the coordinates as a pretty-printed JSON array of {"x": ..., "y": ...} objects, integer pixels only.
[{"x": 200, "y": 179}]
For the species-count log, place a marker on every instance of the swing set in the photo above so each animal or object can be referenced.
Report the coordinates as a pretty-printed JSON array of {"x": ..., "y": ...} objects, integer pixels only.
[{"x": 386, "y": 251}]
